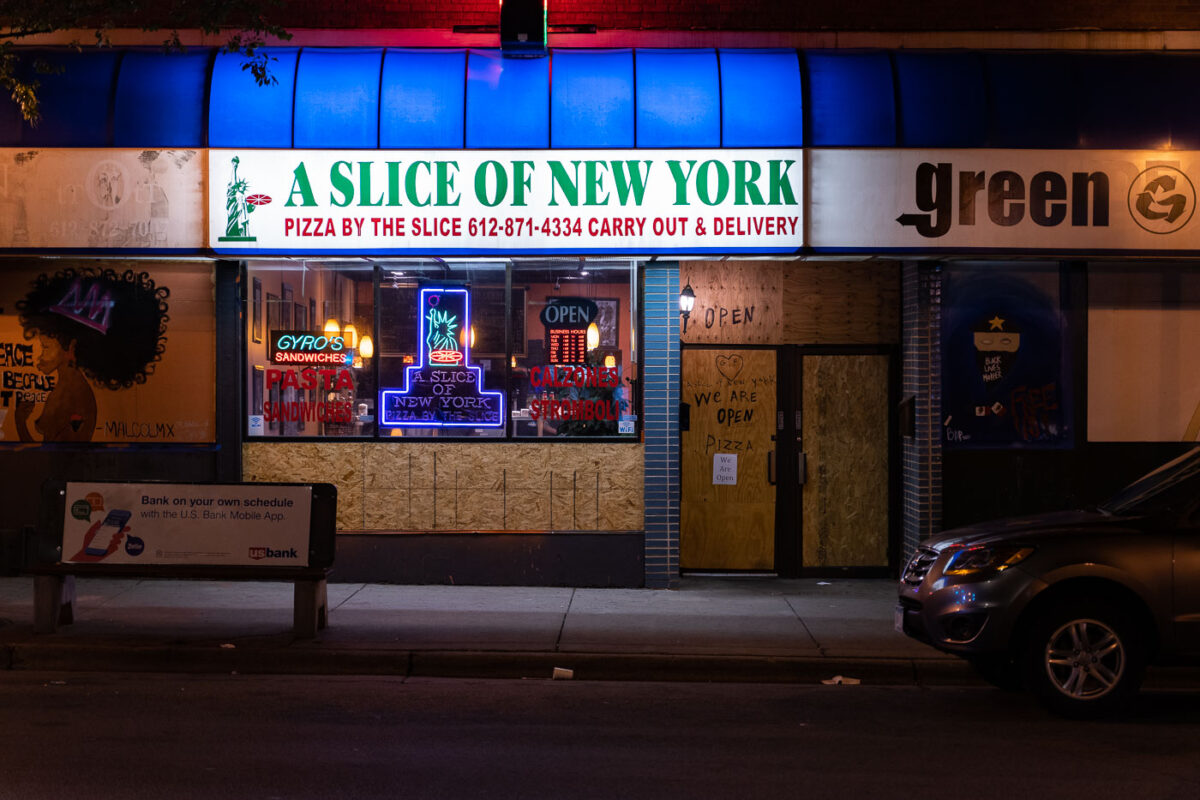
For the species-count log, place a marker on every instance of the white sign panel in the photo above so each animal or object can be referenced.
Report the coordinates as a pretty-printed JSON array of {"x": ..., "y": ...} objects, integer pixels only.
[
  {"x": 487, "y": 200},
  {"x": 1017, "y": 200},
  {"x": 157, "y": 523},
  {"x": 100, "y": 199},
  {"x": 725, "y": 469}
]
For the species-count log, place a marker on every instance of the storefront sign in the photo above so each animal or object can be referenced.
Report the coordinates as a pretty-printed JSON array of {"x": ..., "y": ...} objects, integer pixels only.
[
  {"x": 445, "y": 389},
  {"x": 101, "y": 198},
  {"x": 480, "y": 200},
  {"x": 328, "y": 382},
  {"x": 163, "y": 523},
  {"x": 314, "y": 347},
  {"x": 566, "y": 320},
  {"x": 1018, "y": 200}
]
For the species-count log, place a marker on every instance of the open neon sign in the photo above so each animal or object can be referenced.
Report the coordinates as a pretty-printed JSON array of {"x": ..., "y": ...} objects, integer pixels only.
[{"x": 444, "y": 390}]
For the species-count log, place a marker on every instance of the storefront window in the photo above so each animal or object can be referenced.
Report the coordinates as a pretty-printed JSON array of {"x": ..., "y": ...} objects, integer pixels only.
[
  {"x": 310, "y": 344},
  {"x": 573, "y": 372},
  {"x": 486, "y": 349},
  {"x": 441, "y": 367}
]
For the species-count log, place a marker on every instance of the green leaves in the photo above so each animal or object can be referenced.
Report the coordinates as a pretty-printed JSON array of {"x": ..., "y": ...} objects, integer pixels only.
[{"x": 245, "y": 25}]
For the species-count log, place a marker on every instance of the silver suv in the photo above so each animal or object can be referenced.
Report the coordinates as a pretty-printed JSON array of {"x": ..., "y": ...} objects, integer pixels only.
[{"x": 1071, "y": 604}]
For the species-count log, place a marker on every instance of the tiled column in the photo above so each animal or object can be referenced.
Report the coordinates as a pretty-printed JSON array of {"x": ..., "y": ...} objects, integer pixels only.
[
  {"x": 660, "y": 423},
  {"x": 922, "y": 453}
]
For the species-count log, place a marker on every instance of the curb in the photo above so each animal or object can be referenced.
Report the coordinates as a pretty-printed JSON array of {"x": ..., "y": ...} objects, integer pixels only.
[{"x": 484, "y": 664}]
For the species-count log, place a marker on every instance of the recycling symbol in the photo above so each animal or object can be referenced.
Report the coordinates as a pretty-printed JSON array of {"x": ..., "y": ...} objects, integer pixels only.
[{"x": 1162, "y": 199}]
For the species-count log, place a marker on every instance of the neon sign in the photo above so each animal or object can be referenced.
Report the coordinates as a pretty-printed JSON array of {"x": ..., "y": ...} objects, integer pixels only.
[
  {"x": 289, "y": 347},
  {"x": 444, "y": 389}
]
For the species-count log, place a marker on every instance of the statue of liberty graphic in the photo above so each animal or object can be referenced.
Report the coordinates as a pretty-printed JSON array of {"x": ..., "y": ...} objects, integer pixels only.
[{"x": 238, "y": 207}]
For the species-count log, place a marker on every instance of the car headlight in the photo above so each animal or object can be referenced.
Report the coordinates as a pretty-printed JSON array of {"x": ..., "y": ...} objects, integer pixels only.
[{"x": 985, "y": 560}]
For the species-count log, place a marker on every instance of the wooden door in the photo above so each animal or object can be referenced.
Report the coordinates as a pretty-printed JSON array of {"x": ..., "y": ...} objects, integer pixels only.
[
  {"x": 727, "y": 520},
  {"x": 844, "y": 438}
]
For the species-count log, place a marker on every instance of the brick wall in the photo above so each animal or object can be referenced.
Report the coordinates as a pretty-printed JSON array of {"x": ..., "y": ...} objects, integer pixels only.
[
  {"x": 864, "y": 15},
  {"x": 922, "y": 453}
]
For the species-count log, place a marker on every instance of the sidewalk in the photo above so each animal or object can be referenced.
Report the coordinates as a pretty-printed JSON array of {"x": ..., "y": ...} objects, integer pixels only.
[
  {"x": 734, "y": 629},
  {"x": 710, "y": 629}
]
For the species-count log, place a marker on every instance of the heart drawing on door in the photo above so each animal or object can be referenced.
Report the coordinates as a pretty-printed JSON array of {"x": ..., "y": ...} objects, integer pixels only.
[{"x": 729, "y": 366}]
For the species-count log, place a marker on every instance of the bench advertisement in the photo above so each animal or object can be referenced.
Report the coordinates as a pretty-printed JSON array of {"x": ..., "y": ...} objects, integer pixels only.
[{"x": 192, "y": 524}]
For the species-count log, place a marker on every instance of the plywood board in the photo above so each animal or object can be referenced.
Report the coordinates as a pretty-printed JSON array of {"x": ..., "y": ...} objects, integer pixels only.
[
  {"x": 842, "y": 303},
  {"x": 737, "y": 302},
  {"x": 845, "y": 438},
  {"x": 425, "y": 486},
  {"x": 319, "y": 462},
  {"x": 770, "y": 302},
  {"x": 732, "y": 394}
]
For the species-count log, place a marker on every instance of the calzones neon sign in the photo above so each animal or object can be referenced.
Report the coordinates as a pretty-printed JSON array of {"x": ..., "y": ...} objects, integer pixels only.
[{"x": 444, "y": 390}]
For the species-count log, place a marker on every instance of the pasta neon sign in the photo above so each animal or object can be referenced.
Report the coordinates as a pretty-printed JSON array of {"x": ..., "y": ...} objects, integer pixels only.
[{"x": 444, "y": 389}]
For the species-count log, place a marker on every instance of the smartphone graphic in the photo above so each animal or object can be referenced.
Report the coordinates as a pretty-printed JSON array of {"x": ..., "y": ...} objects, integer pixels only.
[{"x": 113, "y": 524}]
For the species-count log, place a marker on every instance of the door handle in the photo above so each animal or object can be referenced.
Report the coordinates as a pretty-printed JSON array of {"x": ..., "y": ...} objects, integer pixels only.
[
  {"x": 771, "y": 467},
  {"x": 801, "y": 469}
]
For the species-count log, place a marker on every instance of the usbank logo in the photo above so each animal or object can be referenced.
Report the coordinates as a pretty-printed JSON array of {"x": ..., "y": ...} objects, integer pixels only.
[
  {"x": 1162, "y": 199},
  {"x": 258, "y": 553}
]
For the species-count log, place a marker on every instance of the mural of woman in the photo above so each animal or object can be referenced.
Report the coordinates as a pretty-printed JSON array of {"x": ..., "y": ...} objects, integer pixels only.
[{"x": 95, "y": 326}]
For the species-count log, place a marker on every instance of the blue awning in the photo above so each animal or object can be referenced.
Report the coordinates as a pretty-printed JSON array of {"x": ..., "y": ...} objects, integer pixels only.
[
  {"x": 75, "y": 100},
  {"x": 853, "y": 100},
  {"x": 456, "y": 98},
  {"x": 678, "y": 98},
  {"x": 422, "y": 98},
  {"x": 508, "y": 101},
  {"x": 1033, "y": 100},
  {"x": 761, "y": 99},
  {"x": 337, "y": 98},
  {"x": 942, "y": 99},
  {"x": 241, "y": 113},
  {"x": 160, "y": 99},
  {"x": 591, "y": 99},
  {"x": 1138, "y": 100}
]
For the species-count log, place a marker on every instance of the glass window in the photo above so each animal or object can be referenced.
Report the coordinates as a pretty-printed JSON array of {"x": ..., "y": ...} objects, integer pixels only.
[
  {"x": 573, "y": 369},
  {"x": 468, "y": 349},
  {"x": 310, "y": 346},
  {"x": 442, "y": 352}
]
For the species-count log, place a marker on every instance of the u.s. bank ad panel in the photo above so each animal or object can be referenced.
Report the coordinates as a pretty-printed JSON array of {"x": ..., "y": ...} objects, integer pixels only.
[{"x": 195, "y": 524}]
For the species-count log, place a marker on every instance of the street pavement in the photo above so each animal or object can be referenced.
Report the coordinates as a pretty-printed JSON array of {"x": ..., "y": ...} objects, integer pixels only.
[{"x": 745, "y": 629}]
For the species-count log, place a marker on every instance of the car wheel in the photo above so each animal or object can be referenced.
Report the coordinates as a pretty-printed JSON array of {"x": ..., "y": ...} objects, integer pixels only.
[
  {"x": 998, "y": 670},
  {"x": 1084, "y": 659}
]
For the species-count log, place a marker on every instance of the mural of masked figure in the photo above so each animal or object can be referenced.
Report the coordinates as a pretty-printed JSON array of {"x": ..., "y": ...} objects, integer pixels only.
[
  {"x": 1004, "y": 383},
  {"x": 96, "y": 329},
  {"x": 996, "y": 342}
]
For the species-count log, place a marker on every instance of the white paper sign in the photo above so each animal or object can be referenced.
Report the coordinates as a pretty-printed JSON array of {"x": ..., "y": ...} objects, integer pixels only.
[
  {"x": 504, "y": 200},
  {"x": 725, "y": 469},
  {"x": 168, "y": 523}
]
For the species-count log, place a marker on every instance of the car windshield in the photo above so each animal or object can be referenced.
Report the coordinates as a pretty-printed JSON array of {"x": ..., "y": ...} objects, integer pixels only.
[{"x": 1154, "y": 483}]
